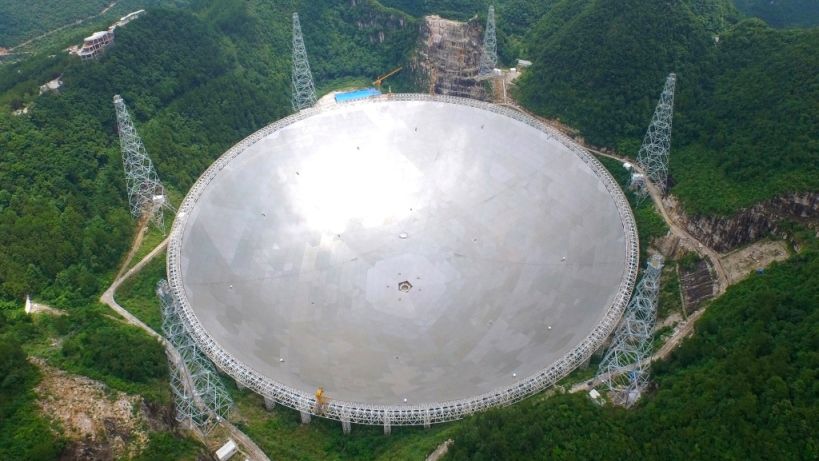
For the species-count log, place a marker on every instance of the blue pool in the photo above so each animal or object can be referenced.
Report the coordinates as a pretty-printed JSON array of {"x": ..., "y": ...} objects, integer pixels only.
[{"x": 357, "y": 94}]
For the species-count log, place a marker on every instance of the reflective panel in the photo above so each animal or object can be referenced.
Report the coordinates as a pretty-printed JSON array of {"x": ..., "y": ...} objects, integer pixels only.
[{"x": 400, "y": 252}]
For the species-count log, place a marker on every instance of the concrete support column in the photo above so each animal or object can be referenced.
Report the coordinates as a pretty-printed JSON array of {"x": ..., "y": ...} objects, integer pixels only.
[
  {"x": 586, "y": 362},
  {"x": 240, "y": 386},
  {"x": 269, "y": 403},
  {"x": 426, "y": 420},
  {"x": 387, "y": 428},
  {"x": 346, "y": 427},
  {"x": 305, "y": 417}
]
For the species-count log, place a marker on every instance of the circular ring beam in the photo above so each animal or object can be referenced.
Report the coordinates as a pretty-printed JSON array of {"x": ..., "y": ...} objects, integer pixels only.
[{"x": 419, "y": 257}]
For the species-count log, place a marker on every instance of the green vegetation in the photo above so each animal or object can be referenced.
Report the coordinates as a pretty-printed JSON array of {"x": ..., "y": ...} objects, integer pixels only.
[
  {"x": 280, "y": 434},
  {"x": 163, "y": 445},
  {"x": 782, "y": 13},
  {"x": 669, "y": 301},
  {"x": 94, "y": 344},
  {"x": 120, "y": 355},
  {"x": 744, "y": 387},
  {"x": 745, "y": 113},
  {"x": 23, "y": 20},
  {"x": 753, "y": 136},
  {"x": 138, "y": 293},
  {"x": 24, "y": 433}
]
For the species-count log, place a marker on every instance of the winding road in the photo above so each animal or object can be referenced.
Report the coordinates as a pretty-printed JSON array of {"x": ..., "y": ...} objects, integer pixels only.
[{"x": 108, "y": 298}]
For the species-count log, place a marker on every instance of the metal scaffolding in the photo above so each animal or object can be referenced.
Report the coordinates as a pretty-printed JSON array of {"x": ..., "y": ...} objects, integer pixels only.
[
  {"x": 653, "y": 154},
  {"x": 200, "y": 396},
  {"x": 489, "y": 55},
  {"x": 454, "y": 69},
  {"x": 625, "y": 367},
  {"x": 146, "y": 195},
  {"x": 304, "y": 92}
]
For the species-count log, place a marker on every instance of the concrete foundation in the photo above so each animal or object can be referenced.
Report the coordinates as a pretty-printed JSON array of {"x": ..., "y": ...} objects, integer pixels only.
[{"x": 269, "y": 403}]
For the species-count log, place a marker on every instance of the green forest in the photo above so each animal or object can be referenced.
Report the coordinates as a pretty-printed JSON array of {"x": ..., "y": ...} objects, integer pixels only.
[
  {"x": 200, "y": 76},
  {"x": 744, "y": 387},
  {"x": 745, "y": 118},
  {"x": 782, "y": 13},
  {"x": 21, "y": 21}
]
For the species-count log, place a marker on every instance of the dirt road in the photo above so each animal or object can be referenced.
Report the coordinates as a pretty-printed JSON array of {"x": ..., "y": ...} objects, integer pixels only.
[
  {"x": 108, "y": 298},
  {"x": 66, "y": 26}
]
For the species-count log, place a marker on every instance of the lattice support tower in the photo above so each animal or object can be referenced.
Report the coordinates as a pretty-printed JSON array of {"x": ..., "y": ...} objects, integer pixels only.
[
  {"x": 489, "y": 54},
  {"x": 146, "y": 195},
  {"x": 625, "y": 367},
  {"x": 199, "y": 394},
  {"x": 653, "y": 154},
  {"x": 304, "y": 92}
]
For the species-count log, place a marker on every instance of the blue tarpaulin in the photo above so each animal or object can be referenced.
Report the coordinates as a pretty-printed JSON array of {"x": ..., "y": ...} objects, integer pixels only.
[{"x": 357, "y": 94}]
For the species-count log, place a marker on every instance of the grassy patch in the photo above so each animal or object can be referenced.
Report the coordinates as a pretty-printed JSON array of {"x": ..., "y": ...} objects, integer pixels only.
[
  {"x": 669, "y": 298},
  {"x": 280, "y": 434},
  {"x": 103, "y": 347},
  {"x": 137, "y": 294},
  {"x": 164, "y": 445}
]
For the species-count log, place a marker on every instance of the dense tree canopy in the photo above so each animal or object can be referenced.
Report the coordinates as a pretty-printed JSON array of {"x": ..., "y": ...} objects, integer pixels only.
[
  {"x": 744, "y": 387},
  {"x": 24, "y": 433},
  {"x": 782, "y": 13},
  {"x": 745, "y": 111}
]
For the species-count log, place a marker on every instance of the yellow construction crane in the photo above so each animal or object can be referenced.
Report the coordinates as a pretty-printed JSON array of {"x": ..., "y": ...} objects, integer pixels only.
[{"x": 379, "y": 80}]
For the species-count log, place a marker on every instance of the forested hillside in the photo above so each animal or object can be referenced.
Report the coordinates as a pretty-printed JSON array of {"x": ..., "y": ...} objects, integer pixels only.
[
  {"x": 746, "y": 114},
  {"x": 23, "y": 20},
  {"x": 782, "y": 13},
  {"x": 744, "y": 387}
]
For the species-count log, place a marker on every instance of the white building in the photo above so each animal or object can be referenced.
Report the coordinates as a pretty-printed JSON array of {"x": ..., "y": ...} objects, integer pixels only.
[
  {"x": 227, "y": 450},
  {"x": 95, "y": 44},
  {"x": 129, "y": 17}
]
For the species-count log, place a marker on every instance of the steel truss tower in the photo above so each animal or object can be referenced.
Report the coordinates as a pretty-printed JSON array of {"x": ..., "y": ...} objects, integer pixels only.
[
  {"x": 304, "y": 92},
  {"x": 489, "y": 55},
  {"x": 200, "y": 396},
  {"x": 653, "y": 154},
  {"x": 146, "y": 195},
  {"x": 625, "y": 367}
]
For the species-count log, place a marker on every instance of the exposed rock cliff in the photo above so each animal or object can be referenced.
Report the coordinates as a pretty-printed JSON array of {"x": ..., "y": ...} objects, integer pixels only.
[
  {"x": 448, "y": 56},
  {"x": 727, "y": 233}
]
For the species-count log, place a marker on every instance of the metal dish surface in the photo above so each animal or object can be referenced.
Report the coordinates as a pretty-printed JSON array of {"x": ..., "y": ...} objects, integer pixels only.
[{"x": 418, "y": 257}]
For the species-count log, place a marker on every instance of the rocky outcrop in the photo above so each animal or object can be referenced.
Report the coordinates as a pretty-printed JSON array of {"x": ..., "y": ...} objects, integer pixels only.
[
  {"x": 447, "y": 58},
  {"x": 727, "y": 233},
  {"x": 378, "y": 24}
]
